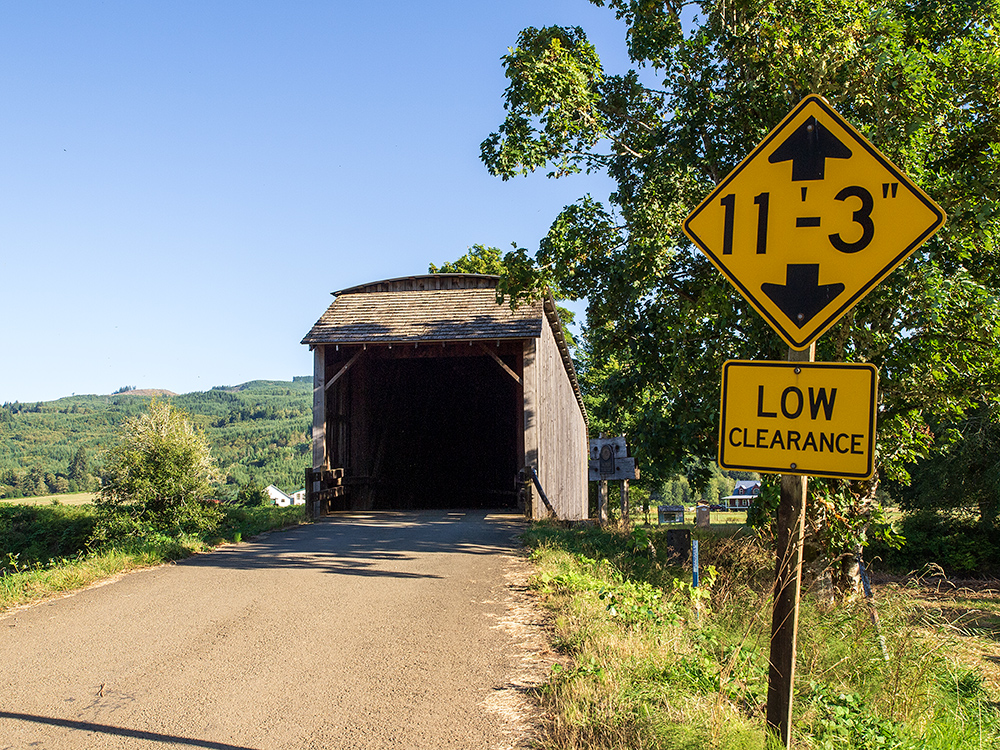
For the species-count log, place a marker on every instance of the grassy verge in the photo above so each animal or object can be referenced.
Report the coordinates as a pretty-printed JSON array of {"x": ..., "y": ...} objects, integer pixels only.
[
  {"x": 45, "y": 553},
  {"x": 653, "y": 663}
]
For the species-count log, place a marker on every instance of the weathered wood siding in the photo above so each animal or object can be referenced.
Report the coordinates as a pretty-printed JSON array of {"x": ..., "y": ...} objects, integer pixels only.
[
  {"x": 555, "y": 434},
  {"x": 319, "y": 409}
]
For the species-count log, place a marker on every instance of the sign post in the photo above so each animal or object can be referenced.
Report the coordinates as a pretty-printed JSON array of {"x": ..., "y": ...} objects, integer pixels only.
[
  {"x": 787, "y": 585},
  {"x": 609, "y": 461},
  {"x": 804, "y": 227}
]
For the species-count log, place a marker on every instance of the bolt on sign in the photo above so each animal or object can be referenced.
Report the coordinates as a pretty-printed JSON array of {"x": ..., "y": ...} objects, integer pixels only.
[
  {"x": 811, "y": 221},
  {"x": 814, "y": 418}
]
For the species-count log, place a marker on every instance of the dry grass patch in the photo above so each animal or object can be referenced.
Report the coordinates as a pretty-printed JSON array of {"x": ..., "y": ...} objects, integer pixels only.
[
  {"x": 653, "y": 663},
  {"x": 71, "y": 498},
  {"x": 966, "y": 612}
]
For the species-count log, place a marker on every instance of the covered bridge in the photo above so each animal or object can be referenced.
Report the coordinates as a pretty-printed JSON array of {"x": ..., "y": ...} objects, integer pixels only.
[{"x": 430, "y": 394}]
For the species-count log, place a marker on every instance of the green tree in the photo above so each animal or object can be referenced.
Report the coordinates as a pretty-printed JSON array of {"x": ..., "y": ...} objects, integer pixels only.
[
  {"x": 920, "y": 80},
  {"x": 35, "y": 482},
  {"x": 964, "y": 474},
  {"x": 253, "y": 495},
  {"x": 160, "y": 472},
  {"x": 79, "y": 469},
  {"x": 480, "y": 259},
  {"x": 490, "y": 261}
]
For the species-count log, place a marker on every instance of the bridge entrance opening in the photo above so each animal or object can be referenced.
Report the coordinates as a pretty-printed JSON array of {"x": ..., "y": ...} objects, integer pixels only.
[{"x": 420, "y": 432}]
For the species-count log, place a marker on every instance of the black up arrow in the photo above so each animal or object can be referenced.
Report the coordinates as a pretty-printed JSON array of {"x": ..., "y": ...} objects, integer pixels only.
[
  {"x": 808, "y": 148},
  {"x": 801, "y": 297}
]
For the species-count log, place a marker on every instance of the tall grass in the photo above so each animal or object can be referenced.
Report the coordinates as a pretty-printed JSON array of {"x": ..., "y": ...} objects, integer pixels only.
[
  {"x": 25, "y": 584},
  {"x": 654, "y": 663}
]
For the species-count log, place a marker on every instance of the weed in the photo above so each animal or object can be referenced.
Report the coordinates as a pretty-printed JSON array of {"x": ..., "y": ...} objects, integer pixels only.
[
  {"x": 842, "y": 721},
  {"x": 657, "y": 663}
]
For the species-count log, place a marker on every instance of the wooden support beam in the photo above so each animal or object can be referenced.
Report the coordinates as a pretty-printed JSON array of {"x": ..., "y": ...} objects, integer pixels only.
[
  {"x": 320, "y": 458},
  {"x": 344, "y": 369},
  {"x": 500, "y": 362},
  {"x": 538, "y": 485}
]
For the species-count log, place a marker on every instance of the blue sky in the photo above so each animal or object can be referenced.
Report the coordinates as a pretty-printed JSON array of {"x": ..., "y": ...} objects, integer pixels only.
[{"x": 182, "y": 184}]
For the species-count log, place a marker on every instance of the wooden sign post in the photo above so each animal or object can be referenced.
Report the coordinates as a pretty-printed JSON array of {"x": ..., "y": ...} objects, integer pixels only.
[
  {"x": 787, "y": 584},
  {"x": 609, "y": 461}
]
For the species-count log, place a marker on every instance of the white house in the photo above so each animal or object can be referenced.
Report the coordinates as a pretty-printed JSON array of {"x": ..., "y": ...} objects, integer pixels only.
[
  {"x": 744, "y": 493},
  {"x": 281, "y": 499}
]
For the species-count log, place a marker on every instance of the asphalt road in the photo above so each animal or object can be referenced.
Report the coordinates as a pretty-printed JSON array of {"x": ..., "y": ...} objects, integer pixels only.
[{"x": 378, "y": 630}]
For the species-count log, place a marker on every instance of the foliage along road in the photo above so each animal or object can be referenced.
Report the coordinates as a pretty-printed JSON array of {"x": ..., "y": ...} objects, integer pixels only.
[{"x": 361, "y": 631}]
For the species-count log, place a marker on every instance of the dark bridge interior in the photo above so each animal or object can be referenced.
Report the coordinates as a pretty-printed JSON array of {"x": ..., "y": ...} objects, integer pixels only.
[{"x": 442, "y": 432}]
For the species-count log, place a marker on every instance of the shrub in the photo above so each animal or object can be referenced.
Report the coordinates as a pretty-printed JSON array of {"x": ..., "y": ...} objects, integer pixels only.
[
  {"x": 253, "y": 495},
  {"x": 962, "y": 546},
  {"x": 38, "y": 535},
  {"x": 157, "y": 477}
]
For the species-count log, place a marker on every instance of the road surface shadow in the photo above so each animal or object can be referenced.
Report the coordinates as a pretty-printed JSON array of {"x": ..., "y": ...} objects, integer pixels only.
[
  {"x": 136, "y": 734},
  {"x": 372, "y": 543}
]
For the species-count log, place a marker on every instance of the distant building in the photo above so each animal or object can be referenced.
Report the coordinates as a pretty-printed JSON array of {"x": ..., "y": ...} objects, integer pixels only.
[
  {"x": 282, "y": 500},
  {"x": 744, "y": 493}
]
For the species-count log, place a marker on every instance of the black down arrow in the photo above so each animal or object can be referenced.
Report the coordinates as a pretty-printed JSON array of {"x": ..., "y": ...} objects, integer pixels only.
[
  {"x": 801, "y": 297},
  {"x": 808, "y": 148}
]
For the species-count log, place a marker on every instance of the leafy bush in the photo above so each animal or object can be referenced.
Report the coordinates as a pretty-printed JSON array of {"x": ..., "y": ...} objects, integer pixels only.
[
  {"x": 34, "y": 535},
  {"x": 960, "y": 545},
  {"x": 157, "y": 477},
  {"x": 252, "y": 495},
  {"x": 842, "y": 721},
  {"x": 252, "y": 520}
]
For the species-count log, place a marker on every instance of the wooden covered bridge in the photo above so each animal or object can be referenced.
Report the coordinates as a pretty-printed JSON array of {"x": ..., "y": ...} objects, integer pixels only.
[{"x": 427, "y": 393}]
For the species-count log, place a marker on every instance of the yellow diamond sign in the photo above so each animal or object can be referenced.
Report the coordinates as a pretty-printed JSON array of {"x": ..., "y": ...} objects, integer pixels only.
[{"x": 811, "y": 221}]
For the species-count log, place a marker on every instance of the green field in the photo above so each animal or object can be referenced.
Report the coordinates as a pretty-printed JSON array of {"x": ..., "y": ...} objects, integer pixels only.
[{"x": 717, "y": 518}]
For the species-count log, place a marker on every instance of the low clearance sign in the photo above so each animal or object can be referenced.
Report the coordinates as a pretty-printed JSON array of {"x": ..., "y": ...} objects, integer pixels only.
[{"x": 814, "y": 418}]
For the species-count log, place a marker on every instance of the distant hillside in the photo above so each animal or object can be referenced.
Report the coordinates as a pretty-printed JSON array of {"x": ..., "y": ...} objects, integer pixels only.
[
  {"x": 259, "y": 432},
  {"x": 151, "y": 392}
]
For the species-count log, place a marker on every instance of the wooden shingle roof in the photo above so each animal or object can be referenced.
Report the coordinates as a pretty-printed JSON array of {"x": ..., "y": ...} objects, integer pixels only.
[
  {"x": 409, "y": 310},
  {"x": 437, "y": 308}
]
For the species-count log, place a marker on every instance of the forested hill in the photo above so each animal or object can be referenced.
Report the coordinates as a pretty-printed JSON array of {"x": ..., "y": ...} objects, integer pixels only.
[{"x": 259, "y": 433}]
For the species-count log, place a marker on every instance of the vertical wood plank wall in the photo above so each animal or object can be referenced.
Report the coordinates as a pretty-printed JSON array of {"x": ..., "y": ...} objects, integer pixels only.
[
  {"x": 555, "y": 428},
  {"x": 319, "y": 408},
  {"x": 529, "y": 383}
]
